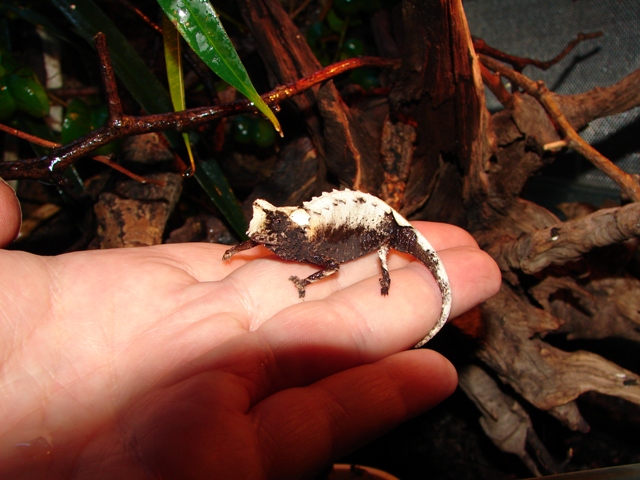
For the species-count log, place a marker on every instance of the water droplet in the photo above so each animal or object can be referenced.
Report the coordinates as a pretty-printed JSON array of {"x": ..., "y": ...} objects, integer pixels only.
[
  {"x": 53, "y": 163},
  {"x": 188, "y": 173},
  {"x": 183, "y": 14},
  {"x": 203, "y": 45}
]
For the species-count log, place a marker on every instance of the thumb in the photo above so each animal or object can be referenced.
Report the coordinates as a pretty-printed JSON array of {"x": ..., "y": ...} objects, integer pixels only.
[{"x": 10, "y": 214}]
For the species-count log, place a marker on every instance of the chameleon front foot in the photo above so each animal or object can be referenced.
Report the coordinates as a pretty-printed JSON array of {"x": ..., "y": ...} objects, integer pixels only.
[
  {"x": 246, "y": 245},
  {"x": 300, "y": 283},
  {"x": 384, "y": 286}
]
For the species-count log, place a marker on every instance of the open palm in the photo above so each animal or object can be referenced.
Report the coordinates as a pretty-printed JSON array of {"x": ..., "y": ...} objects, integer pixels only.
[{"x": 168, "y": 362}]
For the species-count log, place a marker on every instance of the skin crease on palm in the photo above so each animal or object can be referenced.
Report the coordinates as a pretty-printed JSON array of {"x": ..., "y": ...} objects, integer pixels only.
[{"x": 168, "y": 362}]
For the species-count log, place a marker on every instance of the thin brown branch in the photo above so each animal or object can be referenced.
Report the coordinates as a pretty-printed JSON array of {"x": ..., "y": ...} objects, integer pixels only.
[
  {"x": 494, "y": 84},
  {"x": 539, "y": 91},
  {"x": 567, "y": 241},
  {"x": 107, "y": 161},
  {"x": 518, "y": 63},
  {"x": 301, "y": 8},
  {"x": 142, "y": 16},
  {"x": 28, "y": 137},
  {"x": 98, "y": 158},
  {"x": 108, "y": 79},
  {"x": 51, "y": 166}
]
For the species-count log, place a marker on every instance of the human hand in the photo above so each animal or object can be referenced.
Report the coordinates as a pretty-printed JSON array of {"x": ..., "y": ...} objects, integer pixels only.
[
  {"x": 9, "y": 214},
  {"x": 167, "y": 362}
]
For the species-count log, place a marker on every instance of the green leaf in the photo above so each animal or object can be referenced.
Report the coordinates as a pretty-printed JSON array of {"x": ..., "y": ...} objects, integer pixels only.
[
  {"x": 76, "y": 122},
  {"x": 80, "y": 119},
  {"x": 173, "y": 60},
  {"x": 198, "y": 23},
  {"x": 88, "y": 20},
  {"x": 174, "y": 64},
  {"x": 7, "y": 103},
  {"x": 210, "y": 177},
  {"x": 28, "y": 94}
]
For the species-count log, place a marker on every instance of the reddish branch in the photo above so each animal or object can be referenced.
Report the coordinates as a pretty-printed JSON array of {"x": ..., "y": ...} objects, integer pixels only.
[
  {"x": 98, "y": 158},
  {"x": 154, "y": 26},
  {"x": 120, "y": 125}
]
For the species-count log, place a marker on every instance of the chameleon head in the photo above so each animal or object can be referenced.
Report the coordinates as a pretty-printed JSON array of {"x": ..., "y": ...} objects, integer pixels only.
[{"x": 269, "y": 223}]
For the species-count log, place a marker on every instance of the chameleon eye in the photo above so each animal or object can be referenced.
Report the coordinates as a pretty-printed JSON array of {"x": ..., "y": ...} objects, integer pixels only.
[{"x": 278, "y": 224}]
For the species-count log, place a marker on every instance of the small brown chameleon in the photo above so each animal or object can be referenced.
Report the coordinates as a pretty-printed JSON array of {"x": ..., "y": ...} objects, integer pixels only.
[{"x": 339, "y": 226}]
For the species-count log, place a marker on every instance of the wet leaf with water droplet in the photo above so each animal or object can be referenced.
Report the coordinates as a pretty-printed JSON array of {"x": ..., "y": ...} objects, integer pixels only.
[{"x": 207, "y": 37}]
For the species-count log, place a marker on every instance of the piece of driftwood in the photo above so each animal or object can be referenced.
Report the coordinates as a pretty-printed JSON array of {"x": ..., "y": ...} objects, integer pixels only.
[
  {"x": 505, "y": 421},
  {"x": 602, "y": 308},
  {"x": 547, "y": 377},
  {"x": 134, "y": 214},
  {"x": 567, "y": 241}
]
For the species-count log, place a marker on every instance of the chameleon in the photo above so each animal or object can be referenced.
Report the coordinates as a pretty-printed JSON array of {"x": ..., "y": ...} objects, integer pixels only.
[{"x": 337, "y": 227}]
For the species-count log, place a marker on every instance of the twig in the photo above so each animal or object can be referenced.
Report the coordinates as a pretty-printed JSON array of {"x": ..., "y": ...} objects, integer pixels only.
[
  {"x": 298, "y": 10},
  {"x": 518, "y": 63},
  {"x": 494, "y": 83},
  {"x": 28, "y": 137},
  {"x": 539, "y": 91},
  {"x": 98, "y": 158},
  {"x": 109, "y": 81},
  {"x": 121, "y": 125},
  {"x": 142, "y": 16},
  {"x": 567, "y": 241},
  {"x": 554, "y": 146}
]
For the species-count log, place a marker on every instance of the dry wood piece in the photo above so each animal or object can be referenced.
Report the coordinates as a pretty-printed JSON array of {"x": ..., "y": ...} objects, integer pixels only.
[
  {"x": 603, "y": 308},
  {"x": 504, "y": 420},
  {"x": 566, "y": 242},
  {"x": 547, "y": 377},
  {"x": 136, "y": 215},
  {"x": 397, "y": 153},
  {"x": 538, "y": 90},
  {"x": 516, "y": 137},
  {"x": 439, "y": 92}
]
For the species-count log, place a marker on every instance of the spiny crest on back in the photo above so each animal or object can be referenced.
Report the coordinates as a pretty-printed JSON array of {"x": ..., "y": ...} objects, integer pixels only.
[{"x": 346, "y": 207}]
